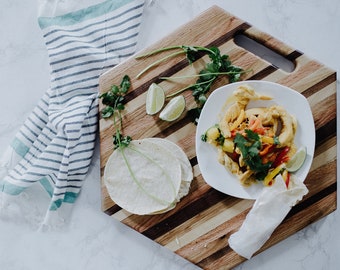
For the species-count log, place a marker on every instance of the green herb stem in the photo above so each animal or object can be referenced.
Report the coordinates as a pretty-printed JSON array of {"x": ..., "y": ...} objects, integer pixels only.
[
  {"x": 199, "y": 48},
  {"x": 174, "y": 78},
  {"x": 157, "y": 63},
  {"x": 158, "y": 51},
  {"x": 188, "y": 87}
]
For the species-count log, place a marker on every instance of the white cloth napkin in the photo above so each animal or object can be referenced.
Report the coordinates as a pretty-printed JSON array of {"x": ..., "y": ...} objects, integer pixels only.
[
  {"x": 268, "y": 211},
  {"x": 42, "y": 171}
]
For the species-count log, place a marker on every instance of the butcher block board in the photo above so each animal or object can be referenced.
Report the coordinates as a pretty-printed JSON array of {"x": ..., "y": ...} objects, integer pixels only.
[{"x": 199, "y": 227}]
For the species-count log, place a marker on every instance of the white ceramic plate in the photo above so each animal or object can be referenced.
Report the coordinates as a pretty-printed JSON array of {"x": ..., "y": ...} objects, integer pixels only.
[{"x": 296, "y": 104}]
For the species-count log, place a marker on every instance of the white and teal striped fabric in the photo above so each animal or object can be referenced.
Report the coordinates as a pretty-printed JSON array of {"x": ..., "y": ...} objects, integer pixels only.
[{"x": 52, "y": 152}]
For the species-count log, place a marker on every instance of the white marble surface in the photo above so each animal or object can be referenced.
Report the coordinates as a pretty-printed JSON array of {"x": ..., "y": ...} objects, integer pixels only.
[{"x": 93, "y": 240}]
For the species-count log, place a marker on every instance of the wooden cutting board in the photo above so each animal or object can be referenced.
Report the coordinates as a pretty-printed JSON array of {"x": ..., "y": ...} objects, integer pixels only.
[{"x": 199, "y": 227}]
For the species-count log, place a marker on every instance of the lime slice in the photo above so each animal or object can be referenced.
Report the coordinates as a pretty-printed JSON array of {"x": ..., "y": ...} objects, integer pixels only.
[
  {"x": 297, "y": 160},
  {"x": 155, "y": 98},
  {"x": 173, "y": 109}
]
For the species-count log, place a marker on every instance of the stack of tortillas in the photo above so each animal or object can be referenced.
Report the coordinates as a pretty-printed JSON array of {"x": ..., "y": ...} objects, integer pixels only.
[{"x": 149, "y": 176}]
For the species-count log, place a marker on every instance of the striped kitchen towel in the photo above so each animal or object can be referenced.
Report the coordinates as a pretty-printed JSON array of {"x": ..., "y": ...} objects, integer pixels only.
[{"x": 42, "y": 171}]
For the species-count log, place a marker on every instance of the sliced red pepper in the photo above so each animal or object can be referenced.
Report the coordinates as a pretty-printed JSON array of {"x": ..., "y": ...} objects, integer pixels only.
[
  {"x": 287, "y": 179},
  {"x": 268, "y": 158},
  {"x": 281, "y": 157},
  {"x": 234, "y": 156},
  {"x": 233, "y": 133}
]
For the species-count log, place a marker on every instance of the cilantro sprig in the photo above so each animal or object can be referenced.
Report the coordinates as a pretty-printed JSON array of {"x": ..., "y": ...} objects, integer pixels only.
[
  {"x": 250, "y": 146},
  {"x": 114, "y": 103},
  {"x": 114, "y": 98},
  {"x": 121, "y": 141},
  {"x": 219, "y": 64}
]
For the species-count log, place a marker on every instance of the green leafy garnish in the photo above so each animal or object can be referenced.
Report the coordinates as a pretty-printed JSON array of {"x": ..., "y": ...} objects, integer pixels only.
[
  {"x": 204, "y": 137},
  {"x": 250, "y": 146},
  {"x": 276, "y": 140},
  {"x": 121, "y": 141},
  {"x": 114, "y": 101},
  {"x": 219, "y": 65},
  {"x": 114, "y": 98}
]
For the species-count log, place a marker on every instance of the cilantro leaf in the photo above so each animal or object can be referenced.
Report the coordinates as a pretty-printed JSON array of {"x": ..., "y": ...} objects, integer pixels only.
[
  {"x": 107, "y": 112},
  {"x": 114, "y": 98},
  {"x": 252, "y": 135},
  {"x": 114, "y": 104},
  {"x": 250, "y": 146},
  {"x": 121, "y": 141},
  {"x": 125, "y": 84}
]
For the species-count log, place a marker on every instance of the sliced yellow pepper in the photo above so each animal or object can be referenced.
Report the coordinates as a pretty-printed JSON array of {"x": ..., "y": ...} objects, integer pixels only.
[
  {"x": 267, "y": 139},
  {"x": 268, "y": 180}
]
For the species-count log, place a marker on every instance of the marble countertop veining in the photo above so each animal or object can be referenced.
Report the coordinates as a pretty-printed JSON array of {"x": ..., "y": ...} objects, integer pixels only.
[{"x": 94, "y": 240}]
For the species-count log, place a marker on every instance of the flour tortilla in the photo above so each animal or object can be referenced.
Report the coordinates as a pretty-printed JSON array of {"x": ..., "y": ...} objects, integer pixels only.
[
  {"x": 186, "y": 169},
  {"x": 157, "y": 171}
]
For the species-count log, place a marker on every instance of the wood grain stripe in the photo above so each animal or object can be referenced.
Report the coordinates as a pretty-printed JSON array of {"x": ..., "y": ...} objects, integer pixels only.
[
  {"x": 211, "y": 197},
  {"x": 112, "y": 210},
  {"x": 230, "y": 34},
  {"x": 313, "y": 199},
  {"x": 209, "y": 219},
  {"x": 263, "y": 73},
  {"x": 331, "y": 78},
  {"x": 324, "y": 111},
  {"x": 294, "y": 55},
  {"x": 326, "y": 132}
]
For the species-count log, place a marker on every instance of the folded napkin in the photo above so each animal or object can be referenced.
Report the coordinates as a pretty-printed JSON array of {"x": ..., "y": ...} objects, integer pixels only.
[
  {"x": 268, "y": 211},
  {"x": 42, "y": 171}
]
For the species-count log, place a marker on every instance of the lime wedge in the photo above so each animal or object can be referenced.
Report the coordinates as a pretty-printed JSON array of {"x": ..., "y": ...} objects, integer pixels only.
[
  {"x": 155, "y": 98},
  {"x": 297, "y": 160},
  {"x": 173, "y": 109}
]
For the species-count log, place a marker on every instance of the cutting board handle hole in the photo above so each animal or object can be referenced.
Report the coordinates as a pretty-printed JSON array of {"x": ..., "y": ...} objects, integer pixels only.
[{"x": 260, "y": 50}]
